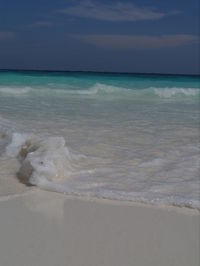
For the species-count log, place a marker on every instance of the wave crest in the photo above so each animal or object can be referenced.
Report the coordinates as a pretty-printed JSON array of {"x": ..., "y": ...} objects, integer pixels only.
[
  {"x": 100, "y": 89},
  {"x": 105, "y": 91},
  {"x": 170, "y": 92}
]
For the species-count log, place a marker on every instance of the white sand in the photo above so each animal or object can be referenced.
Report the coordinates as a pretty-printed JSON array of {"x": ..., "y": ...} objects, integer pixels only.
[{"x": 48, "y": 229}]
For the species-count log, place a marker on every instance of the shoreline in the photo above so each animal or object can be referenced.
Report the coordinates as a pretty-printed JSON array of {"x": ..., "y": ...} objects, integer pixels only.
[
  {"x": 47, "y": 228},
  {"x": 180, "y": 209}
]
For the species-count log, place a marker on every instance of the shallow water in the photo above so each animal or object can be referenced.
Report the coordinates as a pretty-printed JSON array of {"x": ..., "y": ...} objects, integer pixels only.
[{"x": 125, "y": 137}]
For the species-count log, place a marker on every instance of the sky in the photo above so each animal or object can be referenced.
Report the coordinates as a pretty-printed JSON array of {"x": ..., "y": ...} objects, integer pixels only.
[{"x": 139, "y": 36}]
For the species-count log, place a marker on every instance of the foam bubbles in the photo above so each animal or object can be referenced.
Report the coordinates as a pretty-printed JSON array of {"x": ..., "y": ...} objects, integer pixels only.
[
  {"x": 15, "y": 91},
  {"x": 100, "y": 90},
  {"x": 41, "y": 159},
  {"x": 171, "y": 92},
  {"x": 20, "y": 144}
]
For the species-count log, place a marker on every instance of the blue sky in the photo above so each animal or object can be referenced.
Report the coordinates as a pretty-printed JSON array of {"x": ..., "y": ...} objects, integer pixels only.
[{"x": 123, "y": 36}]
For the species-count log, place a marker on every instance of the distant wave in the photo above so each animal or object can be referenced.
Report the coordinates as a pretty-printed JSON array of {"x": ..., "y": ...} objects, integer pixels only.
[
  {"x": 165, "y": 92},
  {"x": 170, "y": 92},
  {"x": 100, "y": 89}
]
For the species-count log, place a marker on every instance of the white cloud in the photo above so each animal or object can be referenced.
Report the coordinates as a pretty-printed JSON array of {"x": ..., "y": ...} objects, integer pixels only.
[
  {"x": 6, "y": 35},
  {"x": 119, "y": 12},
  {"x": 137, "y": 42}
]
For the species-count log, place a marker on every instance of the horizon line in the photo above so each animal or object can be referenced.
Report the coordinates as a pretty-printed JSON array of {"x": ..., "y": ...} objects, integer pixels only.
[{"x": 97, "y": 72}]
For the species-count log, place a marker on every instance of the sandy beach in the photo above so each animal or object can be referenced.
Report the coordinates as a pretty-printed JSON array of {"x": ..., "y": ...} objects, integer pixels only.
[
  {"x": 99, "y": 133},
  {"x": 46, "y": 228}
]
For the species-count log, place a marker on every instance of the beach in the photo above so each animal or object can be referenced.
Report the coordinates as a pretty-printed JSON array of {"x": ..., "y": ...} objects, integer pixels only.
[
  {"x": 47, "y": 229},
  {"x": 99, "y": 169},
  {"x": 99, "y": 133}
]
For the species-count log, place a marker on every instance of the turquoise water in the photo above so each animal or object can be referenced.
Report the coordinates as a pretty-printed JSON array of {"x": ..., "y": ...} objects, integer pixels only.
[
  {"x": 118, "y": 136},
  {"x": 85, "y": 79}
]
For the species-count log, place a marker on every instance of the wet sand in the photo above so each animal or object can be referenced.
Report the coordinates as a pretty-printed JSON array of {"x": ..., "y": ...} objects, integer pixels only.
[{"x": 42, "y": 228}]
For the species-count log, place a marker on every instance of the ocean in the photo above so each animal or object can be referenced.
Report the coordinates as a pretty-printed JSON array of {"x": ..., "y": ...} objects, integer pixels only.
[{"x": 132, "y": 137}]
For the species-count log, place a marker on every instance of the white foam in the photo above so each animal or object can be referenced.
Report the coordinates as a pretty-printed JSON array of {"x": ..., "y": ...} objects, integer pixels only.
[
  {"x": 42, "y": 160},
  {"x": 19, "y": 143},
  {"x": 100, "y": 89},
  {"x": 165, "y": 92},
  {"x": 5, "y": 125},
  {"x": 170, "y": 92},
  {"x": 96, "y": 89},
  {"x": 49, "y": 164},
  {"x": 15, "y": 90},
  {"x": 5, "y": 132}
]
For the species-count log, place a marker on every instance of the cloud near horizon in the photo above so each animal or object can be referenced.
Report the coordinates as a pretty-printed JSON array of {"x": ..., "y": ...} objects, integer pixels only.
[
  {"x": 6, "y": 35},
  {"x": 137, "y": 42},
  {"x": 119, "y": 12}
]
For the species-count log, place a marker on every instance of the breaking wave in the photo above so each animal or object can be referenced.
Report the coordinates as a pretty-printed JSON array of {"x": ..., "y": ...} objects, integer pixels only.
[
  {"x": 48, "y": 163},
  {"x": 42, "y": 160},
  {"x": 170, "y": 92},
  {"x": 100, "y": 89}
]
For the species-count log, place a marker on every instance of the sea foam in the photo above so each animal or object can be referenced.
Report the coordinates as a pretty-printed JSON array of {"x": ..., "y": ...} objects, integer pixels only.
[
  {"x": 101, "y": 90},
  {"x": 17, "y": 91},
  {"x": 171, "y": 92},
  {"x": 41, "y": 159}
]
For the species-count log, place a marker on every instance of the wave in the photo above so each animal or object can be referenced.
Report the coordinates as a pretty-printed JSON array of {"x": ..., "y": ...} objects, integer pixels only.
[
  {"x": 165, "y": 92},
  {"x": 48, "y": 163},
  {"x": 100, "y": 89},
  {"x": 42, "y": 160},
  {"x": 170, "y": 92},
  {"x": 15, "y": 90}
]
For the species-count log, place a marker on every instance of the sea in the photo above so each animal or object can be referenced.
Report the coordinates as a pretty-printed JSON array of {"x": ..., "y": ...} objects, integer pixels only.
[{"x": 125, "y": 137}]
